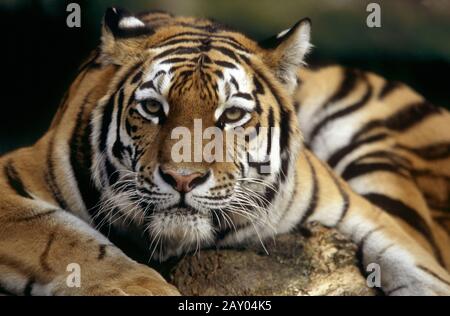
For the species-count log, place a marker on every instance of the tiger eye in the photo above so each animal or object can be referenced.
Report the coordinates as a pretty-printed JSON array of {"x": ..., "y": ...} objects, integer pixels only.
[
  {"x": 152, "y": 106},
  {"x": 233, "y": 114}
]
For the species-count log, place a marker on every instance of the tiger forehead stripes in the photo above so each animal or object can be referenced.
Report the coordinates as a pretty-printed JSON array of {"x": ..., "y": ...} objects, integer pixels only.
[{"x": 112, "y": 170}]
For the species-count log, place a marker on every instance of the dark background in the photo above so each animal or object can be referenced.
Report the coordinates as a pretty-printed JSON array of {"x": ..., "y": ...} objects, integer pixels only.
[{"x": 40, "y": 54}]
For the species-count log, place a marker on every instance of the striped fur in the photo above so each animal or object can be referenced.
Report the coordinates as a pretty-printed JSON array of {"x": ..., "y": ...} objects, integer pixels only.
[{"x": 99, "y": 170}]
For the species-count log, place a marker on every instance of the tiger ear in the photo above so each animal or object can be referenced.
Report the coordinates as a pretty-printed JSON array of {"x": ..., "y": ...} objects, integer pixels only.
[
  {"x": 122, "y": 39},
  {"x": 285, "y": 52}
]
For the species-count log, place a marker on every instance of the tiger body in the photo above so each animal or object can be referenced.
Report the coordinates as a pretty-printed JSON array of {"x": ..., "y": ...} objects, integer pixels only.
[
  {"x": 107, "y": 163},
  {"x": 387, "y": 142}
]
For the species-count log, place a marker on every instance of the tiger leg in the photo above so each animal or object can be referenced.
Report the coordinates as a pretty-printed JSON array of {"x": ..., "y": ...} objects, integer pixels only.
[
  {"x": 406, "y": 267},
  {"x": 390, "y": 185},
  {"x": 435, "y": 185},
  {"x": 40, "y": 244}
]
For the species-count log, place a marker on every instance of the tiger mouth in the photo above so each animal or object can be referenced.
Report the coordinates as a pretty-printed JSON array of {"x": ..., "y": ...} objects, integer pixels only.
[
  {"x": 182, "y": 211},
  {"x": 183, "y": 208}
]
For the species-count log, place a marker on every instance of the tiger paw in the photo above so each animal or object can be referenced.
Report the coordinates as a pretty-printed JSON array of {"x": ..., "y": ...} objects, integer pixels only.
[
  {"x": 119, "y": 279},
  {"x": 138, "y": 287},
  {"x": 421, "y": 282},
  {"x": 142, "y": 281}
]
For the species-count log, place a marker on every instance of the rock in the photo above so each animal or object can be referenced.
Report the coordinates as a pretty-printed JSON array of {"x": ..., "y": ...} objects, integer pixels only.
[{"x": 313, "y": 261}]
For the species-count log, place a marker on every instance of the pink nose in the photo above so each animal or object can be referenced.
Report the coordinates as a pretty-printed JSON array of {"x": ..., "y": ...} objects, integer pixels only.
[{"x": 183, "y": 183}]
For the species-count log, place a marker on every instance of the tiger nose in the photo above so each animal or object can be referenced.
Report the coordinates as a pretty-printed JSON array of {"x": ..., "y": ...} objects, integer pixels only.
[{"x": 181, "y": 182}]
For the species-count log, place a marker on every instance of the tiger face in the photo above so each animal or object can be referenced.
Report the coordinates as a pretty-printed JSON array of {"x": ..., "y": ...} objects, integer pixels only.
[{"x": 197, "y": 134}]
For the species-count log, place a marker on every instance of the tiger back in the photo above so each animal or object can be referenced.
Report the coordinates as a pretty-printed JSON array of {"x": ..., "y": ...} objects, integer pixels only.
[{"x": 386, "y": 141}]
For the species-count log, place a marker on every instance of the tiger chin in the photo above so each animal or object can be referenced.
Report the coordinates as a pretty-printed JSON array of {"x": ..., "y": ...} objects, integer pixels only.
[{"x": 109, "y": 167}]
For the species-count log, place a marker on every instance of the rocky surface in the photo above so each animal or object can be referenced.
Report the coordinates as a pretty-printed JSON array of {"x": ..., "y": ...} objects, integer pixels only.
[{"x": 313, "y": 261}]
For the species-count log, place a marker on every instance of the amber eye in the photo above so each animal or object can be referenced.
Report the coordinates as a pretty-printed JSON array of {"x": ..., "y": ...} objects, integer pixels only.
[
  {"x": 232, "y": 115},
  {"x": 152, "y": 106}
]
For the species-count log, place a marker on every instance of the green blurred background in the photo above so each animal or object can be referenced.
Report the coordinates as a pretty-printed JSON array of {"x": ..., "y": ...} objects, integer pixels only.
[{"x": 40, "y": 54}]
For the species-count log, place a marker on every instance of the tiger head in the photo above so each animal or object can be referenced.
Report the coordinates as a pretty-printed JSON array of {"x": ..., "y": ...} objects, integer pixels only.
[{"x": 197, "y": 137}]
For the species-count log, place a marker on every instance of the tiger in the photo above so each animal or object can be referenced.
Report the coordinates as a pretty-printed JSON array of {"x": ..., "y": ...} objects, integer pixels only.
[{"x": 343, "y": 148}]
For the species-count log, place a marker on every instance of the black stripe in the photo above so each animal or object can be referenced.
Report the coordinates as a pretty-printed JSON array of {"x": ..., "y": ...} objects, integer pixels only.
[
  {"x": 411, "y": 115},
  {"x": 243, "y": 95},
  {"x": 429, "y": 152},
  {"x": 117, "y": 148},
  {"x": 14, "y": 180},
  {"x": 346, "y": 111},
  {"x": 393, "y": 157},
  {"x": 137, "y": 77},
  {"x": 218, "y": 73},
  {"x": 51, "y": 179},
  {"x": 270, "y": 193},
  {"x": 217, "y": 222},
  {"x": 433, "y": 274},
  {"x": 159, "y": 73},
  {"x": 347, "y": 85},
  {"x": 399, "y": 209},
  {"x": 291, "y": 199},
  {"x": 361, "y": 247},
  {"x": 313, "y": 201},
  {"x": 285, "y": 128},
  {"x": 227, "y": 52},
  {"x": 383, "y": 251},
  {"x": 44, "y": 256},
  {"x": 398, "y": 288},
  {"x": 354, "y": 169},
  {"x": 106, "y": 121},
  {"x": 175, "y": 60},
  {"x": 429, "y": 173},
  {"x": 225, "y": 64},
  {"x": 101, "y": 251},
  {"x": 258, "y": 90},
  {"x": 35, "y": 216},
  {"x": 81, "y": 161},
  {"x": 388, "y": 88},
  {"x": 270, "y": 125},
  {"x": 293, "y": 195},
  {"x": 223, "y": 233},
  {"x": 61, "y": 109},
  {"x": 111, "y": 175},
  {"x": 336, "y": 157},
  {"x": 28, "y": 287},
  {"x": 342, "y": 192},
  {"x": 402, "y": 120},
  {"x": 90, "y": 60},
  {"x": 148, "y": 85},
  {"x": 284, "y": 168}
]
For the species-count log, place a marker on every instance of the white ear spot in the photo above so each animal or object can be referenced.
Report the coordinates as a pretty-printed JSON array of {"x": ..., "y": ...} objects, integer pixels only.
[
  {"x": 283, "y": 33},
  {"x": 130, "y": 22}
]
